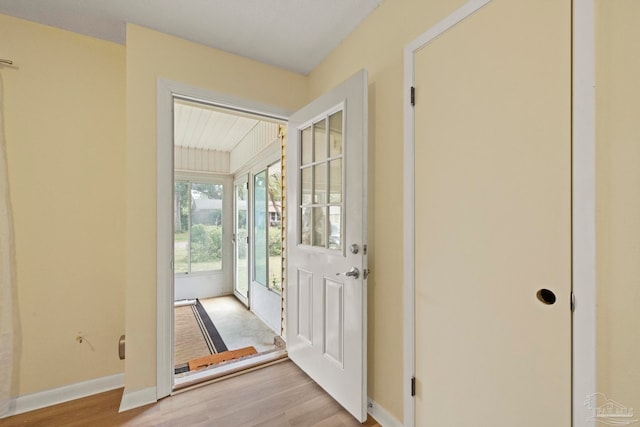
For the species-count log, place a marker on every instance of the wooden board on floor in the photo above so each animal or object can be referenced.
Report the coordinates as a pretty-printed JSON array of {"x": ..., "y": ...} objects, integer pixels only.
[{"x": 203, "y": 362}]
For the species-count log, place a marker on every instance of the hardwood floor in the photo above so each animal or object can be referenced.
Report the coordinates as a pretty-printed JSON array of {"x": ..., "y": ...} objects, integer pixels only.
[{"x": 280, "y": 395}]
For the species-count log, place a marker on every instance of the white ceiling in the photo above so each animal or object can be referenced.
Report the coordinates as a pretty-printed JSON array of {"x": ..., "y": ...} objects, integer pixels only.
[
  {"x": 293, "y": 34},
  {"x": 200, "y": 126}
]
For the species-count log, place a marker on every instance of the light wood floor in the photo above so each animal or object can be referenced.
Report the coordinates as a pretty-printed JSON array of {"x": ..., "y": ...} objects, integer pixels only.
[{"x": 280, "y": 395}]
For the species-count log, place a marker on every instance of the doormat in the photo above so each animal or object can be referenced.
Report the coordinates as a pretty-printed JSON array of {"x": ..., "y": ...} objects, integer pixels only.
[
  {"x": 203, "y": 362},
  {"x": 195, "y": 336}
]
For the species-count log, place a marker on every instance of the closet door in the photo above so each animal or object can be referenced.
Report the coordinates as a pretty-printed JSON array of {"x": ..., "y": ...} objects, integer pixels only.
[{"x": 493, "y": 219}]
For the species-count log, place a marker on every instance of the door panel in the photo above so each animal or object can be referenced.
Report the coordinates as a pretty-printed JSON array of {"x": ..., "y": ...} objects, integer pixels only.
[
  {"x": 304, "y": 306},
  {"x": 326, "y": 309},
  {"x": 493, "y": 216},
  {"x": 333, "y": 320}
]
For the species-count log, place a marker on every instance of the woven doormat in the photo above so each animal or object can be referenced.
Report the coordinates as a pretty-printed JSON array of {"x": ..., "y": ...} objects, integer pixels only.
[{"x": 195, "y": 335}]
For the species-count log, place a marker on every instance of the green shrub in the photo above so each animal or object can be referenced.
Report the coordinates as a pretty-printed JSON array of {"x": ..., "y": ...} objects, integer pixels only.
[
  {"x": 206, "y": 243},
  {"x": 275, "y": 241}
]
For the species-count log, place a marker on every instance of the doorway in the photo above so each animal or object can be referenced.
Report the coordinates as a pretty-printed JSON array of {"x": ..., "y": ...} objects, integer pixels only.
[
  {"x": 345, "y": 265},
  {"x": 222, "y": 160}
]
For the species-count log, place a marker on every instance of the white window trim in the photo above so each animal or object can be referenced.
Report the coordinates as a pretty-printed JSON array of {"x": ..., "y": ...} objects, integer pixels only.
[
  {"x": 270, "y": 157},
  {"x": 227, "y": 221}
]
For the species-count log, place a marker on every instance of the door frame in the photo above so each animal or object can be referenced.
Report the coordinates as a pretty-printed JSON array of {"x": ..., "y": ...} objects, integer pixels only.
[
  {"x": 271, "y": 154},
  {"x": 583, "y": 203},
  {"x": 167, "y": 90},
  {"x": 241, "y": 179}
]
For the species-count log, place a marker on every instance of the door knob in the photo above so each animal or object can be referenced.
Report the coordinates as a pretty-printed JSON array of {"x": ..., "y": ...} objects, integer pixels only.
[{"x": 354, "y": 272}]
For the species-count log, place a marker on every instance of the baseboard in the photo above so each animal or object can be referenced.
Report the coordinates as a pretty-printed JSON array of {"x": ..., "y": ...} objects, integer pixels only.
[
  {"x": 137, "y": 398},
  {"x": 383, "y": 418},
  {"x": 42, "y": 399}
]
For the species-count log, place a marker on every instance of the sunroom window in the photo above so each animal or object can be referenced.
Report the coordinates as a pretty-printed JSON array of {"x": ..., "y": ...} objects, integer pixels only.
[
  {"x": 197, "y": 227},
  {"x": 267, "y": 244}
]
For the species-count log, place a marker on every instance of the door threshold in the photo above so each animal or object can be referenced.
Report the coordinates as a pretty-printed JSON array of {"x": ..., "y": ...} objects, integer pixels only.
[{"x": 227, "y": 370}]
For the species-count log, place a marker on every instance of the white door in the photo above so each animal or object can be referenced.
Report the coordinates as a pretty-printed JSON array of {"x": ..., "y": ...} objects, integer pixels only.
[
  {"x": 493, "y": 219},
  {"x": 241, "y": 239},
  {"x": 326, "y": 234}
]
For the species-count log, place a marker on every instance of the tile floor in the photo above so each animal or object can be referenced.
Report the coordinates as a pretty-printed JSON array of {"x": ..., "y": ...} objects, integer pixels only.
[{"x": 237, "y": 325}]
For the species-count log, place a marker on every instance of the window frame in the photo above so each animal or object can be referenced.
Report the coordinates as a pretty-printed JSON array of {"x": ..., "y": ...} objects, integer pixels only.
[
  {"x": 325, "y": 116},
  {"x": 264, "y": 167},
  {"x": 203, "y": 178}
]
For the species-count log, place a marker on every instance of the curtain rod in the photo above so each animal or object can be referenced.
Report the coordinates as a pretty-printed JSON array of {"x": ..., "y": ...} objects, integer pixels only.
[{"x": 6, "y": 61}]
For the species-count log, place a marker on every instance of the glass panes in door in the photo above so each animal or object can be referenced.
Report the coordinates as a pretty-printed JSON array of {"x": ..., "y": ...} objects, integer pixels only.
[
  {"x": 274, "y": 211},
  {"x": 260, "y": 228},
  {"x": 322, "y": 182},
  {"x": 267, "y": 214},
  {"x": 241, "y": 207}
]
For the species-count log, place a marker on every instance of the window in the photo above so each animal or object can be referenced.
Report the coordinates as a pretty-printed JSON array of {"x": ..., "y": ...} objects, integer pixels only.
[
  {"x": 321, "y": 178},
  {"x": 197, "y": 227},
  {"x": 267, "y": 242}
]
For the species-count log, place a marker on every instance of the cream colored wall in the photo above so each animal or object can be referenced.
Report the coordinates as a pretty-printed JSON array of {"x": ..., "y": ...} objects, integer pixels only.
[
  {"x": 151, "y": 55},
  {"x": 618, "y": 199},
  {"x": 65, "y": 134},
  {"x": 377, "y": 45},
  {"x": 64, "y": 113}
]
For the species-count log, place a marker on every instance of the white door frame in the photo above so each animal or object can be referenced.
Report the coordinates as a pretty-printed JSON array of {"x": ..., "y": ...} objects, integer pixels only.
[
  {"x": 242, "y": 178},
  {"x": 167, "y": 91},
  {"x": 261, "y": 294},
  {"x": 584, "y": 208},
  {"x": 583, "y": 215}
]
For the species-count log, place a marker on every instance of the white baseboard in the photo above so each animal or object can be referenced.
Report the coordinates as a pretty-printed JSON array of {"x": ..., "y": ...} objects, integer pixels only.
[
  {"x": 42, "y": 399},
  {"x": 137, "y": 398},
  {"x": 383, "y": 418}
]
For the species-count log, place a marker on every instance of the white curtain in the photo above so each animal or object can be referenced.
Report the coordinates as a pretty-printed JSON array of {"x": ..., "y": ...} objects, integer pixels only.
[{"x": 7, "y": 272}]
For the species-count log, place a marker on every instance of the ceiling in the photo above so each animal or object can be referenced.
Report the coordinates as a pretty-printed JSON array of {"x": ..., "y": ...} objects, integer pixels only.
[
  {"x": 201, "y": 126},
  {"x": 293, "y": 34}
]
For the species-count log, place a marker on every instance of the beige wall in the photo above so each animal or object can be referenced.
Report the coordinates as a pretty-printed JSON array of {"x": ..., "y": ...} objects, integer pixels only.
[
  {"x": 151, "y": 55},
  {"x": 378, "y": 46},
  {"x": 66, "y": 147},
  {"x": 64, "y": 114},
  {"x": 618, "y": 199},
  {"x": 73, "y": 87}
]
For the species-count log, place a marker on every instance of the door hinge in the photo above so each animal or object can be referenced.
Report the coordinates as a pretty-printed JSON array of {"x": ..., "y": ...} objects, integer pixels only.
[
  {"x": 413, "y": 96},
  {"x": 413, "y": 386},
  {"x": 572, "y": 302}
]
